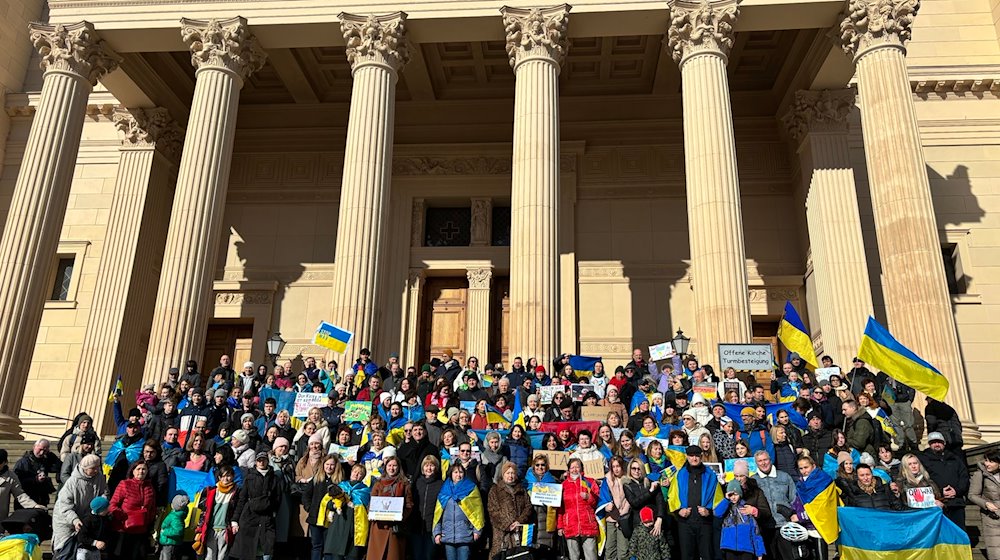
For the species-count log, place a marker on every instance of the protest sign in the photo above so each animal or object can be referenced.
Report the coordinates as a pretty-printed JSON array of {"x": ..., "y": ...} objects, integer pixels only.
[
  {"x": 344, "y": 452},
  {"x": 595, "y": 413},
  {"x": 386, "y": 508},
  {"x": 920, "y": 498},
  {"x": 545, "y": 393},
  {"x": 467, "y": 405},
  {"x": 746, "y": 357},
  {"x": 578, "y": 390},
  {"x": 661, "y": 351},
  {"x": 305, "y": 401},
  {"x": 594, "y": 468},
  {"x": 824, "y": 373},
  {"x": 557, "y": 459},
  {"x": 546, "y": 494},
  {"x": 642, "y": 442},
  {"x": 357, "y": 411}
]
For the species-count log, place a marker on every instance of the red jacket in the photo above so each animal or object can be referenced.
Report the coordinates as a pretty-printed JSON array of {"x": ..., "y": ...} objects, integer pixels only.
[
  {"x": 576, "y": 517},
  {"x": 133, "y": 496}
]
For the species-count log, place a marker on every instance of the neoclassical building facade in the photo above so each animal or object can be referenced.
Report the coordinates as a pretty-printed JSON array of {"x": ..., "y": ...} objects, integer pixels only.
[{"x": 186, "y": 179}]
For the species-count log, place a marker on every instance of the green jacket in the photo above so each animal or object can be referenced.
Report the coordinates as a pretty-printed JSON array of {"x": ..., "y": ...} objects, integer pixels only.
[{"x": 172, "y": 528}]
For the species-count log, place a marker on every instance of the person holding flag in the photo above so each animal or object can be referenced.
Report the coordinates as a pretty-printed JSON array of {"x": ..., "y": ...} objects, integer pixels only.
[
  {"x": 510, "y": 509},
  {"x": 793, "y": 334},
  {"x": 458, "y": 514},
  {"x": 695, "y": 496},
  {"x": 576, "y": 518}
]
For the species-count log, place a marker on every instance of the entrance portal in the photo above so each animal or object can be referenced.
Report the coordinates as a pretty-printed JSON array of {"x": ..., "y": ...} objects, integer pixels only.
[
  {"x": 442, "y": 318},
  {"x": 226, "y": 338}
]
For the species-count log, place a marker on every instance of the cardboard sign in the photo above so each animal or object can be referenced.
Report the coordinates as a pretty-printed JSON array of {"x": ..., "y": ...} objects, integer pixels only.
[
  {"x": 595, "y": 413},
  {"x": 305, "y": 401},
  {"x": 357, "y": 411},
  {"x": 344, "y": 452},
  {"x": 921, "y": 498},
  {"x": 386, "y": 508},
  {"x": 594, "y": 468},
  {"x": 578, "y": 390},
  {"x": 557, "y": 459},
  {"x": 546, "y": 494},
  {"x": 467, "y": 405},
  {"x": 730, "y": 463},
  {"x": 661, "y": 351},
  {"x": 746, "y": 357},
  {"x": 545, "y": 393},
  {"x": 824, "y": 373}
]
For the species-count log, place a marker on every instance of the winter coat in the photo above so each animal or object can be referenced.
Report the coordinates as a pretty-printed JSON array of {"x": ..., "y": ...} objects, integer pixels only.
[
  {"x": 412, "y": 452},
  {"x": 642, "y": 544},
  {"x": 425, "y": 491},
  {"x": 882, "y": 498},
  {"x": 638, "y": 497},
  {"x": 10, "y": 487},
  {"x": 454, "y": 526},
  {"x": 754, "y": 496},
  {"x": 208, "y": 503},
  {"x": 71, "y": 444},
  {"x": 159, "y": 478},
  {"x": 172, "y": 527},
  {"x": 383, "y": 541},
  {"x": 95, "y": 528},
  {"x": 508, "y": 504},
  {"x": 940, "y": 417},
  {"x": 785, "y": 459},
  {"x": 132, "y": 497},
  {"x": 313, "y": 496},
  {"x": 859, "y": 433},
  {"x": 741, "y": 533},
  {"x": 817, "y": 442},
  {"x": 948, "y": 469},
  {"x": 576, "y": 516},
  {"x": 256, "y": 506},
  {"x": 73, "y": 502},
  {"x": 985, "y": 489},
  {"x": 27, "y": 469}
]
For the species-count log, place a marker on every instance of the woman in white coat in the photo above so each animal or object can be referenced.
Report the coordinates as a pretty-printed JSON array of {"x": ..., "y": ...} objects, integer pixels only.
[{"x": 73, "y": 500}]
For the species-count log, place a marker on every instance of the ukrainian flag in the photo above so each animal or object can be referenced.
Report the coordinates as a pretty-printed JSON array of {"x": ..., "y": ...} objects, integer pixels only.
[
  {"x": 117, "y": 390},
  {"x": 793, "y": 334},
  {"x": 820, "y": 499},
  {"x": 880, "y": 349},
  {"x": 466, "y": 495},
  {"x": 919, "y": 534},
  {"x": 528, "y": 534},
  {"x": 495, "y": 416},
  {"x": 887, "y": 426},
  {"x": 603, "y": 499},
  {"x": 517, "y": 418},
  {"x": 361, "y": 496},
  {"x": 712, "y": 496},
  {"x": 331, "y": 337},
  {"x": 583, "y": 366},
  {"x": 21, "y": 546}
]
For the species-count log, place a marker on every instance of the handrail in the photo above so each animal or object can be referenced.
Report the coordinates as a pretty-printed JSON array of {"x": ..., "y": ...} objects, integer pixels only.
[
  {"x": 46, "y": 436},
  {"x": 47, "y": 414}
]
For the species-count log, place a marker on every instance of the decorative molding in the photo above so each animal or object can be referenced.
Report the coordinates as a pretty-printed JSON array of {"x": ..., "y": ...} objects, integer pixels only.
[
  {"x": 977, "y": 87},
  {"x": 149, "y": 128},
  {"x": 226, "y": 44},
  {"x": 443, "y": 165},
  {"x": 819, "y": 111},
  {"x": 763, "y": 295},
  {"x": 536, "y": 33},
  {"x": 479, "y": 278},
  {"x": 379, "y": 40},
  {"x": 417, "y": 223},
  {"x": 482, "y": 217},
  {"x": 700, "y": 27},
  {"x": 257, "y": 297},
  {"x": 74, "y": 48},
  {"x": 605, "y": 347},
  {"x": 869, "y": 24},
  {"x": 416, "y": 278}
]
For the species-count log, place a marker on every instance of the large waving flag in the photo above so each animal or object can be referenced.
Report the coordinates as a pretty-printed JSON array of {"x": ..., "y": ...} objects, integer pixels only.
[
  {"x": 793, "y": 334},
  {"x": 919, "y": 534},
  {"x": 880, "y": 349},
  {"x": 188, "y": 482},
  {"x": 820, "y": 499},
  {"x": 466, "y": 495},
  {"x": 583, "y": 366},
  {"x": 712, "y": 496}
]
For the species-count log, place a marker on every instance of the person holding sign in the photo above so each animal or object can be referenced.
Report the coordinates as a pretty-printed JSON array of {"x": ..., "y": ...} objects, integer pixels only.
[
  {"x": 458, "y": 515},
  {"x": 914, "y": 478},
  {"x": 384, "y": 540},
  {"x": 511, "y": 512},
  {"x": 576, "y": 518}
]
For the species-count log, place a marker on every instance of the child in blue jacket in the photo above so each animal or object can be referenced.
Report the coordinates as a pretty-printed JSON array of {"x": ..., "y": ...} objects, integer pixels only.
[{"x": 741, "y": 538}]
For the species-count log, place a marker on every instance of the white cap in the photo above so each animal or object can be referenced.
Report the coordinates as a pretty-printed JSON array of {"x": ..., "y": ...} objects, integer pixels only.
[
  {"x": 935, "y": 436},
  {"x": 247, "y": 365}
]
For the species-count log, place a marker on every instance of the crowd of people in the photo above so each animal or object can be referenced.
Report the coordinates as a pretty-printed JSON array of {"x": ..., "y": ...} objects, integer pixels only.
[{"x": 468, "y": 448}]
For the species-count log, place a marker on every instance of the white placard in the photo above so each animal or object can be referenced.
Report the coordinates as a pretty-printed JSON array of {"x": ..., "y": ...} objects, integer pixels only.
[
  {"x": 546, "y": 392},
  {"x": 306, "y": 401},
  {"x": 546, "y": 494},
  {"x": 824, "y": 373},
  {"x": 661, "y": 351},
  {"x": 746, "y": 357},
  {"x": 386, "y": 508},
  {"x": 920, "y": 498},
  {"x": 344, "y": 452}
]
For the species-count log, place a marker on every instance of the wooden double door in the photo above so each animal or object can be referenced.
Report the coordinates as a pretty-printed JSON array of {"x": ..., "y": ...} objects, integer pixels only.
[
  {"x": 232, "y": 339},
  {"x": 444, "y": 318}
]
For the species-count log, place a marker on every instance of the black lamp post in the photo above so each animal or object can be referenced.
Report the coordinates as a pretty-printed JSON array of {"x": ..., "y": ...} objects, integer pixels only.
[{"x": 275, "y": 344}]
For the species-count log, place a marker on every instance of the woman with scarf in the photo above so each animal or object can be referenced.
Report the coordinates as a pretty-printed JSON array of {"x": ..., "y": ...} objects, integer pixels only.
[
  {"x": 649, "y": 429},
  {"x": 319, "y": 484},
  {"x": 425, "y": 490},
  {"x": 489, "y": 459},
  {"x": 510, "y": 508},
  {"x": 133, "y": 513},
  {"x": 385, "y": 542},
  {"x": 283, "y": 465},
  {"x": 310, "y": 465},
  {"x": 256, "y": 506},
  {"x": 226, "y": 457},
  {"x": 517, "y": 449},
  {"x": 619, "y": 530},
  {"x": 545, "y": 517},
  {"x": 214, "y": 534},
  {"x": 656, "y": 459},
  {"x": 346, "y": 517},
  {"x": 458, "y": 515},
  {"x": 283, "y": 421}
]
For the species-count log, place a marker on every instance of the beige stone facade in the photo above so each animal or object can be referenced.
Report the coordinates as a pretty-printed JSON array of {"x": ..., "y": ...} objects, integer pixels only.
[{"x": 500, "y": 181}]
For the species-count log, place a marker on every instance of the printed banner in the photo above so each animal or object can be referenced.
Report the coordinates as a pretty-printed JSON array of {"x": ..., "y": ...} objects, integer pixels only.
[
  {"x": 306, "y": 401},
  {"x": 546, "y": 494},
  {"x": 357, "y": 411}
]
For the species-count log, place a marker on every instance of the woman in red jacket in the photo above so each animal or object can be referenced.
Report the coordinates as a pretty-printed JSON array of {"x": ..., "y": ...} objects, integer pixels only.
[
  {"x": 133, "y": 509},
  {"x": 576, "y": 518}
]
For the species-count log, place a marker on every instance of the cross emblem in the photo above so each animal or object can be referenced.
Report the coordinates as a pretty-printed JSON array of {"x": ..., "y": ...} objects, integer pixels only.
[{"x": 449, "y": 230}]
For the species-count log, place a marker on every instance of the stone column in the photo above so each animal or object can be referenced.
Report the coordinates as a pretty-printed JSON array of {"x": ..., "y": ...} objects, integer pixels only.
[
  {"x": 917, "y": 301},
  {"x": 699, "y": 39},
  {"x": 376, "y": 49},
  {"x": 536, "y": 45},
  {"x": 477, "y": 317},
  {"x": 122, "y": 309},
  {"x": 224, "y": 53},
  {"x": 414, "y": 287},
  {"x": 817, "y": 123},
  {"x": 73, "y": 58}
]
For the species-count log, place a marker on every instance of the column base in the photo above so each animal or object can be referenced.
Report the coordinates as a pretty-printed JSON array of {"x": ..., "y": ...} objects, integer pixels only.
[
  {"x": 971, "y": 434},
  {"x": 10, "y": 427}
]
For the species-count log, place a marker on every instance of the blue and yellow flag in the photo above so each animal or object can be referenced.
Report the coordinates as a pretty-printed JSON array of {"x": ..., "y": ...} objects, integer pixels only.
[
  {"x": 880, "y": 349},
  {"x": 712, "y": 496},
  {"x": 918, "y": 534},
  {"x": 793, "y": 334},
  {"x": 466, "y": 495},
  {"x": 331, "y": 337},
  {"x": 517, "y": 418},
  {"x": 528, "y": 534},
  {"x": 23, "y": 546},
  {"x": 361, "y": 496},
  {"x": 603, "y": 499},
  {"x": 820, "y": 499},
  {"x": 583, "y": 366},
  {"x": 887, "y": 426},
  {"x": 495, "y": 416},
  {"x": 771, "y": 412},
  {"x": 117, "y": 390}
]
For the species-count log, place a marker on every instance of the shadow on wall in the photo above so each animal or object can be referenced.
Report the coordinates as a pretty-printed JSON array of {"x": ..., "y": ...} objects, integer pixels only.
[{"x": 651, "y": 288}]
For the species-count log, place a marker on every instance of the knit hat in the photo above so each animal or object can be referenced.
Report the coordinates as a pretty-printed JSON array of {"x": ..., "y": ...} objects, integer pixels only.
[
  {"x": 718, "y": 405},
  {"x": 646, "y": 514},
  {"x": 180, "y": 502},
  {"x": 384, "y": 397},
  {"x": 935, "y": 436},
  {"x": 453, "y": 411},
  {"x": 148, "y": 387},
  {"x": 867, "y": 459},
  {"x": 245, "y": 416},
  {"x": 90, "y": 461},
  {"x": 317, "y": 438},
  {"x": 725, "y": 420},
  {"x": 741, "y": 467},
  {"x": 794, "y": 356},
  {"x": 425, "y": 367},
  {"x": 241, "y": 436},
  {"x": 748, "y": 410},
  {"x": 88, "y": 437},
  {"x": 449, "y": 353},
  {"x": 693, "y": 450},
  {"x": 247, "y": 365},
  {"x": 734, "y": 487},
  {"x": 221, "y": 393},
  {"x": 278, "y": 442},
  {"x": 134, "y": 412},
  {"x": 99, "y": 504},
  {"x": 843, "y": 457}
]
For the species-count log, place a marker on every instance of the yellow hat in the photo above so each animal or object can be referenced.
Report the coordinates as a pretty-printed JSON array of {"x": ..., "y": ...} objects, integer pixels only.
[{"x": 748, "y": 410}]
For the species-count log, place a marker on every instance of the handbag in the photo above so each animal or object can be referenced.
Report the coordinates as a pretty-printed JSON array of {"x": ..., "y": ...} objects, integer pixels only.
[{"x": 135, "y": 519}]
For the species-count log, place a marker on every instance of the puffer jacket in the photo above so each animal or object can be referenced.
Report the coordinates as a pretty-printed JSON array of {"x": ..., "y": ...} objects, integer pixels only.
[
  {"x": 454, "y": 526},
  {"x": 576, "y": 517},
  {"x": 132, "y": 497},
  {"x": 882, "y": 498}
]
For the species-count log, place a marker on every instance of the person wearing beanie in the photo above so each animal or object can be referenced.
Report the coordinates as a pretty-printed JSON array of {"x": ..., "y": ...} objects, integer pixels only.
[
  {"x": 642, "y": 544},
  {"x": 172, "y": 527},
  {"x": 95, "y": 530},
  {"x": 741, "y": 535}
]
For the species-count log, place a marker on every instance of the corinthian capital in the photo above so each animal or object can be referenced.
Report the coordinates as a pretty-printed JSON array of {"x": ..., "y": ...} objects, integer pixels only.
[
  {"x": 149, "y": 128},
  {"x": 379, "y": 40},
  {"x": 819, "y": 111},
  {"x": 536, "y": 33},
  {"x": 73, "y": 48},
  {"x": 227, "y": 44},
  {"x": 868, "y": 24},
  {"x": 705, "y": 26},
  {"x": 479, "y": 278}
]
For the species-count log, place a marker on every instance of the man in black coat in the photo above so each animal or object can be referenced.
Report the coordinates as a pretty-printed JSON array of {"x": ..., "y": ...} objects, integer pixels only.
[
  {"x": 817, "y": 438},
  {"x": 256, "y": 507},
  {"x": 225, "y": 367},
  {"x": 33, "y": 469},
  {"x": 949, "y": 472},
  {"x": 411, "y": 453}
]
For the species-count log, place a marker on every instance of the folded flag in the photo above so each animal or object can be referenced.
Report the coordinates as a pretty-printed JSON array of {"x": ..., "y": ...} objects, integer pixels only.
[
  {"x": 793, "y": 334},
  {"x": 820, "y": 499},
  {"x": 583, "y": 366},
  {"x": 517, "y": 415},
  {"x": 880, "y": 349},
  {"x": 331, "y": 337},
  {"x": 918, "y": 534}
]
